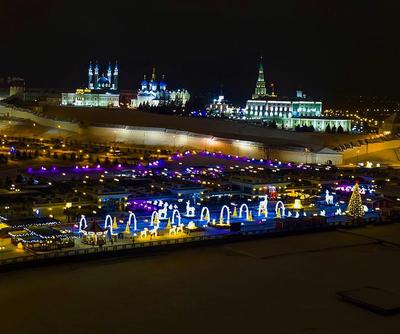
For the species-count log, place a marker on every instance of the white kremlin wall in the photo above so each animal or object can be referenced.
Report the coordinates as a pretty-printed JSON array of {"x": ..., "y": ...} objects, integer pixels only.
[{"x": 176, "y": 139}]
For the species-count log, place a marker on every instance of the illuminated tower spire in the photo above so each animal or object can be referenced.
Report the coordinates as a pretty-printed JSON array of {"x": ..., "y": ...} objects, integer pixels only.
[
  {"x": 90, "y": 76},
  {"x": 273, "y": 90},
  {"x": 115, "y": 84},
  {"x": 163, "y": 84},
  {"x": 109, "y": 72},
  {"x": 261, "y": 90},
  {"x": 96, "y": 74},
  {"x": 153, "y": 82}
]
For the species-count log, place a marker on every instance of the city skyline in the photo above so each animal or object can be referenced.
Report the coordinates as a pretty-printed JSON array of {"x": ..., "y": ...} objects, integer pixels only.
[{"x": 204, "y": 47}]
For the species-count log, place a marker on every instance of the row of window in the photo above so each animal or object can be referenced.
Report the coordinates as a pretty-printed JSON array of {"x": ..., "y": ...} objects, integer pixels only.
[
  {"x": 270, "y": 108},
  {"x": 282, "y": 108},
  {"x": 270, "y": 114}
]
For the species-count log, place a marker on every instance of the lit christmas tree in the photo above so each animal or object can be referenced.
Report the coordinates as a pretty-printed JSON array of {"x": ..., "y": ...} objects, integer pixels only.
[
  {"x": 234, "y": 214},
  {"x": 169, "y": 225},
  {"x": 127, "y": 229},
  {"x": 355, "y": 207}
]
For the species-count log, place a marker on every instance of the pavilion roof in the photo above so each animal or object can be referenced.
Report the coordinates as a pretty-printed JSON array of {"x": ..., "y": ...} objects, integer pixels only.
[{"x": 93, "y": 227}]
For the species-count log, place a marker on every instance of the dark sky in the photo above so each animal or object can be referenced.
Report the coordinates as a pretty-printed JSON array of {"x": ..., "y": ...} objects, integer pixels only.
[{"x": 327, "y": 48}]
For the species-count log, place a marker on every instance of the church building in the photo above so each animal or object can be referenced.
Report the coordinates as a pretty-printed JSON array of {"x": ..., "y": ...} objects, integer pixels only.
[{"x": 153, "y": 93}]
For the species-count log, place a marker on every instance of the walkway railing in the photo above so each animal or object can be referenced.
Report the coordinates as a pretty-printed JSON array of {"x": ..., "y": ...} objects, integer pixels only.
[
  {"x": 107, "y": 249},
  {"x": 165, "y": 242}
]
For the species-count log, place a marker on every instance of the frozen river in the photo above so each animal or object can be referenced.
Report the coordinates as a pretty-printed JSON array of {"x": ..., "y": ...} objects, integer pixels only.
[{"x": 281, "y": 285}]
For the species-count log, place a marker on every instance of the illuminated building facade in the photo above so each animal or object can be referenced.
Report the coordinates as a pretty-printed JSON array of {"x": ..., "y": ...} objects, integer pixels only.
[
  {"x": 289, "y": 113},
  {"x": 220, "y": 107},
  {"x": 154, "y": 93},
  {"x": 101, "y": 91}
]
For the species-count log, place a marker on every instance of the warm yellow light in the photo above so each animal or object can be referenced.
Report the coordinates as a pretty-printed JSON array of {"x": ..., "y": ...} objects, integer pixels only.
[{"x": 297, "y": 204}]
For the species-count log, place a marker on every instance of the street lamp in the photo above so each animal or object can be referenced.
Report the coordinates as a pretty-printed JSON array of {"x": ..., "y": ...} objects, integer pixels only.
[{"x": 306, "y": 150}]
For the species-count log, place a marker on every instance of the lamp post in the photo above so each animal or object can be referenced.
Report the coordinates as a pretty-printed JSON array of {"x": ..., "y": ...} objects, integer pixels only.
[{"x": 306, "y": 151}]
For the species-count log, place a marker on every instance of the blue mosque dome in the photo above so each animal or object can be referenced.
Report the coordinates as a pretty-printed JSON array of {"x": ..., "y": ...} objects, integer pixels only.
[{"x": 103, "y": 81}]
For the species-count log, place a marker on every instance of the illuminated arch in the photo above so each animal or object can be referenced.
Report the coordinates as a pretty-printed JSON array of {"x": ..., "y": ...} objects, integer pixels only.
[
  {"x": 131, "y": 214},
  {"x": 228, "y": 214},
  {"x": 154, "y": 217},
  {"x": 244, "y": 205},
  {"x": 280, "y": 209},
  {"x": 108, "y": 222},
  {"x": 205, "y": 211},
  {"x": 82, "y": 221},
  {"x": 177, "y": 214}
]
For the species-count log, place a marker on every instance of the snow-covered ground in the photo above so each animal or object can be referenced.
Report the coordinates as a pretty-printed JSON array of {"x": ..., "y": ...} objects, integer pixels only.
[{"x": 280, "y": 285}]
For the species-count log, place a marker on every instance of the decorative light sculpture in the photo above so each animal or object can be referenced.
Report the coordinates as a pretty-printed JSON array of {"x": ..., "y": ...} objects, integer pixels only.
[
  {"x": 328, "y": 198},
  {"x": 263, "y": 206},
  {"x": 115, "y": 224},
  {"x": 234, "y": 214},
  {"x": 221, "y": 216},
  {"x": 190, "y": 210},
  {"x": 244, "y": 205},
  {"x": 280, "y": 209},
  {"x": 83, "y": 222},
  {"x": 162, "y": 213},
  {"x": 127, "y": 229},
  {"x": 191, "y": 225},
  {"x": 176, "y": 213},
  {"x": 108, "y": 223},
  {"x": 297, "y": 204},
  {"x": 205, "y": 214},
  {"x": 132, "y": 215},
  {"x": 143, "y": 234},
  {"x": 154, "y": 218}
]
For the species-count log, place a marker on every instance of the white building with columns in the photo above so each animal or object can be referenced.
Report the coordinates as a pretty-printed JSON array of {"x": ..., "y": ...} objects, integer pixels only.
[{"x": 289, "y": 113}]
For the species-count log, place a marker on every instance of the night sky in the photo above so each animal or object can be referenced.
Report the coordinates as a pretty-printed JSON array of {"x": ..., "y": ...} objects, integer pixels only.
[{"x": 326, "y": 48}]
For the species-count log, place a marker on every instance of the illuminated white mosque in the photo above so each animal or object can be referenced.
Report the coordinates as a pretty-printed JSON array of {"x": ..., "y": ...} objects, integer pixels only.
[
  {"x": 101, "y": 91},
  {"x": 153, "y": 93},
  {"x": 103, "y": 82}
]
